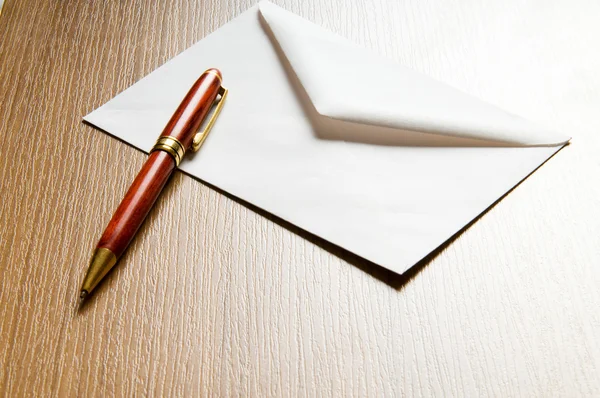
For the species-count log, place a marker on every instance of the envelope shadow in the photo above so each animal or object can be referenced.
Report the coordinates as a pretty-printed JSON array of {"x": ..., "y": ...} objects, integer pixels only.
[{"x": 394, "y": 280}]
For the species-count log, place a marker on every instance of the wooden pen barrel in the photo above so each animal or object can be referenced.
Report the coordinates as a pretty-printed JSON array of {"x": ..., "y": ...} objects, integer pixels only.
[
  {"x": 188, "y": 117},
  {"x": 137, "y": 202},
  {"x": 155, "y": 173}
]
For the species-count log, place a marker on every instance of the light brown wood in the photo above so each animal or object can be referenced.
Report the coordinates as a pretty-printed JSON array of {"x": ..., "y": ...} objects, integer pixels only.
[{"x": 215, "y": 298}]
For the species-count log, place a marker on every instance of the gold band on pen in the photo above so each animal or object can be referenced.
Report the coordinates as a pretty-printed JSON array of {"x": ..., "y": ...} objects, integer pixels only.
[{"x": 172, "y": 146}]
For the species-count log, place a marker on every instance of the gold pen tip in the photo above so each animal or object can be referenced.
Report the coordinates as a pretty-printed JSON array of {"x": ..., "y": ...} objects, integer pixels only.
[{"x": 83, "y": 295}]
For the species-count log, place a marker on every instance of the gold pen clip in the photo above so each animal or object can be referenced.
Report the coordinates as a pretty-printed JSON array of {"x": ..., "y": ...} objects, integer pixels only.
[{"x": 201, "y": 136}]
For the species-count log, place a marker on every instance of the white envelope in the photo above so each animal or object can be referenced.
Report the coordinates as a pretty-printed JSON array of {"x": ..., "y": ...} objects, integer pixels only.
[{"x": 369, "y": 155}]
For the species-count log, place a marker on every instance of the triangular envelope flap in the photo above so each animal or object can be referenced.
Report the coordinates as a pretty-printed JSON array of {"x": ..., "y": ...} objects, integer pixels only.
[{"x": 348, "y": 83}]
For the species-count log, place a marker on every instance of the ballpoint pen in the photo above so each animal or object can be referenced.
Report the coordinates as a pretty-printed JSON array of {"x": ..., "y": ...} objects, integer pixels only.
[{"x": 179, "y": 135}]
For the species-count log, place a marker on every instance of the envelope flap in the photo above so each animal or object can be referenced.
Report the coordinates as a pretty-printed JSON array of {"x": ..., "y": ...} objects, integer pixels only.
[{"x": 348, "y": 83}]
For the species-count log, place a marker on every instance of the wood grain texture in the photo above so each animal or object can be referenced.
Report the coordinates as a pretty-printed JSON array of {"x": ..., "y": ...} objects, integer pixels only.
[{"x": 215, "y": 298}]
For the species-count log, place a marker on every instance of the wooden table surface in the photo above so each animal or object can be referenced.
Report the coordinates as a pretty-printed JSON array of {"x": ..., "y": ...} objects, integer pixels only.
[{"x": 214, "y": 298}]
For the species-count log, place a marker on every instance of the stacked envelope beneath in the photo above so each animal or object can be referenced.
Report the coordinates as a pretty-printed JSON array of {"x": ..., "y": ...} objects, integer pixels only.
[{"x": 354, "y": 148}]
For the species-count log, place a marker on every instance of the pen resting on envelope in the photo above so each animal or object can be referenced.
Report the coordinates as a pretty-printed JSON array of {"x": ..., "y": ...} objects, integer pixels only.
[
  {"x": 363, "y": 152},
  {"x": 179, "y": 135}
]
